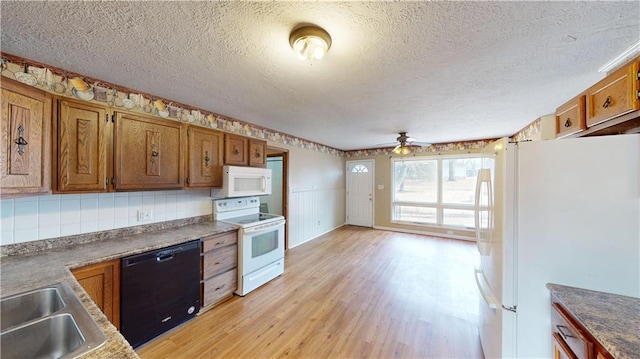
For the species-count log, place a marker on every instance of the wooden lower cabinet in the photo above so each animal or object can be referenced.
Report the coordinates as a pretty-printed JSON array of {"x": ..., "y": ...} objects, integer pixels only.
[
  {"x": 219, "y": 268},
  {"x": 570, "y": 339},
  {"x": 102, "y": 282}
]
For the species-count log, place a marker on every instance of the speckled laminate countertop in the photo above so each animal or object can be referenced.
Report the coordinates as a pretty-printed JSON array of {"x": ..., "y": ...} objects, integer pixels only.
[
  {"x": 614, "y": 320},
  {"x": 24, "y": 272}
]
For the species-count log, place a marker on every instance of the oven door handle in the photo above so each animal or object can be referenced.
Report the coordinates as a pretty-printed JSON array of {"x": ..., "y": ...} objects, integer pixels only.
[{"x": 263, "y": 228}]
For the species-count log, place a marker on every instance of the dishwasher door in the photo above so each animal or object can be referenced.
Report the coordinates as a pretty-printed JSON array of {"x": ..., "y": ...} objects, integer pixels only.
[{"x": 159, "y": 290}]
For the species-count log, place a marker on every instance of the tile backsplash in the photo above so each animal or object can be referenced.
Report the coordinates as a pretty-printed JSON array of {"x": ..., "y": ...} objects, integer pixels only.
[{"x": 50, "y": 216}]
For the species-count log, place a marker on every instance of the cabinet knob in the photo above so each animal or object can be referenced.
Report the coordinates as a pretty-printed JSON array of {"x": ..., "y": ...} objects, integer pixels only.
[
  {"x": 567, "y": 123},
  {"x": 154, "y": 153},
  {"x": 236, "y": 151},
  {"x": 607, "y": 102},
  {"x": 258, "y": 154},
  {"x": 206, "y": 158}
]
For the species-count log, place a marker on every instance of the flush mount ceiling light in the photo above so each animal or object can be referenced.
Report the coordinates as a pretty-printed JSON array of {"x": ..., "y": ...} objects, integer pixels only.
[{"x": 310, "y": 42}]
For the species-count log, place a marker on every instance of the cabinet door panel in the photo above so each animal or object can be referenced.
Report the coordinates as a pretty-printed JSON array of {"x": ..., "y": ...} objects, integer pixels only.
[
  {"x": 257, "y": 153},
  {"x": 205, "y": 158},
  {"x": 613, "y": 96},
  {"x": 83, "y": 134},
  {"x": 220, "y": 260},
  {"x": 570, "y": 117},
  {"x": 25, "y": 126},
  {"x": 219, "y": 287},
  {"x": 101, "y": 281},
  {"x": 149, "y": 153},
  {"x": 235, "y": 150}
]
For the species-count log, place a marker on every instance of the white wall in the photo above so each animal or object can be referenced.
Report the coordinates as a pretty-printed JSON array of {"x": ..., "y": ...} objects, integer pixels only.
[
  {"x": 50, "y": 216},
  {"x": 316, "y": 194}
]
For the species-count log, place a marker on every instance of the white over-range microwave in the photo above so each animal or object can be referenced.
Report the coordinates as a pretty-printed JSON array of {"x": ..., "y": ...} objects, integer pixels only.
[{"x": 244, "y": 181}]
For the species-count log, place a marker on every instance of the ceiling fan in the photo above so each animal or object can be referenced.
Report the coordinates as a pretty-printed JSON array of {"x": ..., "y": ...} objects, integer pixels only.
[{"x": 405, "y": 143}]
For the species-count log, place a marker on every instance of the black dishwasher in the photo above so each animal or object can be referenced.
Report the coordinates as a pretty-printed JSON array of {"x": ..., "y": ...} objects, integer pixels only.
[{"x": 159, "y": 290}]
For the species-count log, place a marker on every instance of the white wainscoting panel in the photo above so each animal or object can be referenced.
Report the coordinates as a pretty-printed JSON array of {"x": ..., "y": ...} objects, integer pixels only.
[{"x": 313, "y": 212}]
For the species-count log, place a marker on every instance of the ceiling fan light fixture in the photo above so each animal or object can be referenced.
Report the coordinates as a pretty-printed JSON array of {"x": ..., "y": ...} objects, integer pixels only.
[
  {"x": 402, "y": 149},
  {"x": 310, "y": 42}
]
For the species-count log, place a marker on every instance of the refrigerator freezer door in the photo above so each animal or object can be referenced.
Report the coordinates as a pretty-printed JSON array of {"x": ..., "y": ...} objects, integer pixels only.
[{"x": 578, "y": 225}]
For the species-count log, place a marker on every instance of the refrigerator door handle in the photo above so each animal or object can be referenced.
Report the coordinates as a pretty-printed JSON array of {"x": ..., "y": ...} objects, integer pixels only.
[
  {"x": 484, "y": 205},
  {"x": 511, "y": 309},
  {"x": 486, "y": 293}
]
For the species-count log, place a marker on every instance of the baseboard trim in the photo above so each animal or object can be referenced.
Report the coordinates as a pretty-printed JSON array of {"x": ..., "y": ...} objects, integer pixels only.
[
  {"x": 426, "y": 233},
  {"x": 319, "y": 235}
]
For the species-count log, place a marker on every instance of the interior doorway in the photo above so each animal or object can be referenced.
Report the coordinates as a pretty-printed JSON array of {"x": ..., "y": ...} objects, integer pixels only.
[{"x": 276, "y": 202}]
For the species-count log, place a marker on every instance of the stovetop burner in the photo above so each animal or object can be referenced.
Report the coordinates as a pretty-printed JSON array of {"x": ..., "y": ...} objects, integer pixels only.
[
  {"x": 242, "y": 211},
  {"x": 252, "y": 218}
]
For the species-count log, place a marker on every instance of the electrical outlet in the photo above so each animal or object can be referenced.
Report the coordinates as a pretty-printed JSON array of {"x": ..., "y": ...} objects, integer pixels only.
[{"x": 145, "y": 215}]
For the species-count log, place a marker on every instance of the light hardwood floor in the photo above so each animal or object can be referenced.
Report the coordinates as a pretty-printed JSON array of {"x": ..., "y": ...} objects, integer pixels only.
[{"x": 352, "y": 293}]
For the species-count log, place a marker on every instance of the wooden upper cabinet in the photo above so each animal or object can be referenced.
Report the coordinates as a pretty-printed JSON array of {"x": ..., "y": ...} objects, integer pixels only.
[
  {"x": 615, "y": 95},
  {"x": 25, "y": 162},
  {"x": 148, "y": 153},
  {"x": 83, "y": 147},
  {"x": 570, "y": 117},
  {"x": 235, "y": 150},
  {"x": 204, "y": 158},
  {"x": 257, "y": 153}
]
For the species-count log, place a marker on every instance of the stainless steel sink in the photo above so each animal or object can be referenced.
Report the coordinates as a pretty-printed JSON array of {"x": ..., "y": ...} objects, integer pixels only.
[
  {"x": 28, "y": 306},
  {"x": 48, "y": 322},
  {"x": 50, "y": 337}
]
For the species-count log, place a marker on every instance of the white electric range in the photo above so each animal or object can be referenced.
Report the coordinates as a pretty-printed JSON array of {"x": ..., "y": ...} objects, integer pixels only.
[{"x": 260, "y": 240}]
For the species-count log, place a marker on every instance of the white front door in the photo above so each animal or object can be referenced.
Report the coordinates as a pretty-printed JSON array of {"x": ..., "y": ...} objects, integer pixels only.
[{"x": 360, "y": 176}]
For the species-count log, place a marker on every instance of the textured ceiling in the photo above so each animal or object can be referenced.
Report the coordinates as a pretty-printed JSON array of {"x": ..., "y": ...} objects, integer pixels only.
[{"x": 443, "y": 71}]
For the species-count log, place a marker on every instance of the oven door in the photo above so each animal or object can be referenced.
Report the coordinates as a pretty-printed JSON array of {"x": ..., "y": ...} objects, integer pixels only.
[{"x": 261, "y": 245}]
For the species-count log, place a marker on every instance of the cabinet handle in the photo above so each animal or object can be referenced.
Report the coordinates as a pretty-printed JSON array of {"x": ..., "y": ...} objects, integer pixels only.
[
  {"x": 236, "y": 151},
  {"x": 607, "y": 102},
  {"x": 21, "y": 142},
  {"x": 564, "y": 335},
  {"x": 567, "y": 123},
  {"x": 258, "y": 154},
  {"x": 222, "y": 261},
  {"x": 154, "y": 153},
  {"x": 206, "y": 158},
  {"x": 220, "y": 287}
]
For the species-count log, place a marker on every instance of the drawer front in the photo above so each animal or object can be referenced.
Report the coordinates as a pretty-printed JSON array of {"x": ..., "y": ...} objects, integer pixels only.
[
  {"x": 560, "y": 348},
  {"x": 219, "y": 287},
  {"x": 217, "y": 241},
  {"x": 565, "y": 331},
  {"x": 570, "y": 117},
  {"x": 219, "y": 260},
  {"x": 616, "y": 95}
]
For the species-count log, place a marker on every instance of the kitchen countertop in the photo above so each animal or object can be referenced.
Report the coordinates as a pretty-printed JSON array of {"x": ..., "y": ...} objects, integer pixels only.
[
  {"x": 28, "y": 271},
  {"x": 613, "y": 320}
]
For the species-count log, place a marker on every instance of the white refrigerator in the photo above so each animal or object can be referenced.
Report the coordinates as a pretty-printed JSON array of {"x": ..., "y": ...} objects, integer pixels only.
[{"x": 560, "y": 211}]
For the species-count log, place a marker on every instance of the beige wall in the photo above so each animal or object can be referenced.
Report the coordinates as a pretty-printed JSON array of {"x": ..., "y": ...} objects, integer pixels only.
[
  {"x": 316, "y": 193},
  {"x": 382, "y": 198}
]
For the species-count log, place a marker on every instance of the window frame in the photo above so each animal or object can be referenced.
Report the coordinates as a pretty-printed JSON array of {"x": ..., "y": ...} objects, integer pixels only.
[{"x": 439, "y": 205}]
